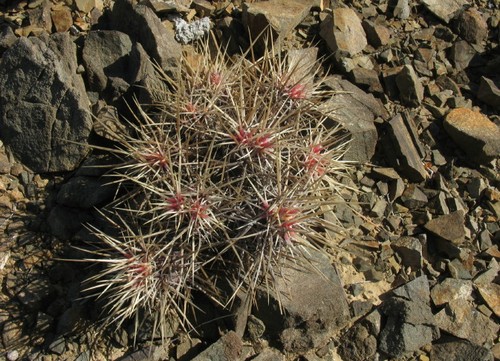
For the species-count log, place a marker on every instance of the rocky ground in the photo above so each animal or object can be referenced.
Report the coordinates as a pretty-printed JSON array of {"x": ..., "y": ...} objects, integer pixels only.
[{"x": 416, "y": 272}]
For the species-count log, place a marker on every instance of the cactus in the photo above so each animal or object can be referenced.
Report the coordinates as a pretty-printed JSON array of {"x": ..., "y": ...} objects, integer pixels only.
[{"x": 225, "y": 176}]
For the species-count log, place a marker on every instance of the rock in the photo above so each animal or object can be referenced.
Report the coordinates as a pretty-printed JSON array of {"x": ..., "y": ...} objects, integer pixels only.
[
  {"x": 489, "y": 92},
  {"x": 459, "y": 350},
  {"x": 314, "y": 305},
  {"x": 444, "y": 9},
  {"x": 152, "y": 353},
  {"x": 451, "y": 289},
  {"x": 357, "y": 344},
  {"x": 228, "y": 348},
  {"x": 12, "y": 333},
  {"x": 143, "y": 26},
  {"x": 85, "y": 192},
  {"x": 471, "y": 26},
  {"x": 376, "y": 34},
  {"x": 356, "y": 111},
  {"x": 402, "y": 10},
  {"x": 461, "y": 54},
  {"x": 449, "y": 227},
  {"x": 12, "y": 355},
  {"x": 410, "y": 87},
  {"x": 367, "y": 79},
  {"x": 402, "y": 149},
  {"x": 122, "y": 59},
  {"x": 7, "y": 37},
  {"x": 474, "y": 133},
  {"x": 58, "y": 345},
  {"x": 409, "y": 320},
  {"x": 462, "y": 320},
  {"x": 410, "y": 250},
  {"x": 343, "y": 32},
  {"x": 41, "y": 17},
  {"x": 62, "y": 19},
  {"x": 34, "y": 293},
  {"x": 277, "y": 17},
  {"x": 85, "y": 5},
  {"x": 44, "y": 114},
  {"x": 413, "y": 197},
  {"x": 491, "y": 295}
]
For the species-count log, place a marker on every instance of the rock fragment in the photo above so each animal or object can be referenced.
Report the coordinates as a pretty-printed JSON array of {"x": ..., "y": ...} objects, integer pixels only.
[
  {"x": 44, "y": 108},
  {"x": 489, "y": 92},
  {"x": 410, "y": 87},
  {"x": 451, "y": 289},
  {"x": 471, "y": 26},
  {"x": 461, "y": 319},
  {"x": 444, "y": 9},
  {"x": 461, "y": 54},
  {"x": 343, "y": 31},
  {"x": 62, "y": 19},
  {"x": 227, "y": 348},
  {"x": 376, "y": 34},
  {"x": 459, "y": 350},
  {"x": 474, "y": 133},
  {"x": 449, "y": 227},
  {"x": 491, "y": 295}
]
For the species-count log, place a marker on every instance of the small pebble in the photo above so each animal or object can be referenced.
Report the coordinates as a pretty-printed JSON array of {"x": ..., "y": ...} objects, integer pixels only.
[{"x": 12, "y": 355}]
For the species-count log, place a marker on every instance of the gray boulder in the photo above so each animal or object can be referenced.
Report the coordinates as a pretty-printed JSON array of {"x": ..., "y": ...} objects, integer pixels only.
[{"x": 44, "y": 110}]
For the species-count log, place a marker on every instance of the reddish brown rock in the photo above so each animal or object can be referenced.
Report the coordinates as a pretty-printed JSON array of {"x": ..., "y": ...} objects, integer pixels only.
[
  {"x": 449, "y": 227},
  {"x": 474, "y": 133},
  {"x": 343, "y": 31},
  {"x": 61, "y": 17},
  {"x": 471, "y": 26},
  {"x": 491, "y": 295}
]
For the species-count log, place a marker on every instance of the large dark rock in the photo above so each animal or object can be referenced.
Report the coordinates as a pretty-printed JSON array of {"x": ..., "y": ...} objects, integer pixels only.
[
  {"x": 112, "y": 54},
  {"x": 459, "y": 350},
  {"x": 143, "y": 26},
  {"x": 44, "y": 111}
]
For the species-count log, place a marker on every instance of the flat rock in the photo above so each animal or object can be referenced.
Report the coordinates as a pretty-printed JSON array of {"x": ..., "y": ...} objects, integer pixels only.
[
  {"x": 367, "y": 79},
  {"x": 376, "y": 34},
  {"x": 489, "y": 92},
  {"x": 410, "y": 250},
  {"x": 44, "y": 108},
  {"x": 402, "y": 149},
  {"x": 280, "y": 17},
  {"x": 461, "y": 54},
  {"x": 356, "y": 111},
  {"x": 314, "y": 304},
  {"x": 451, "y": 289},
  {"x": 459, "y": 350},
  {"x": 143, "y": 26},
  {"x": 449, "y": 227},
  {"x": 62, "y": 19},
  {"x": 343, "y": 31},
  {"x": 445, "y": 9},
  {"x": 471, "y": 26},
  {"x": 491, "y": 295},
  {"x": 461, "y": 319},
  {"x": 413, "y": 197},
  {"x": 474, "y": 133}
]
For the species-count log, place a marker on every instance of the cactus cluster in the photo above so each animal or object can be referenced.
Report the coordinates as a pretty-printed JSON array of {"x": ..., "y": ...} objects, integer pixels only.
[{"x": 224, "y": 178}]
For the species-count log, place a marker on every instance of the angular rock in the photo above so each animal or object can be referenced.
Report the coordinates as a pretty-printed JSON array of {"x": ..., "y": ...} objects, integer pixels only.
[
  {"x": 7, "y": 37},
  {"x": 343, "y": 32},
  {"x": 356, "y": 111},
  {"x": 451, "y": 289},
  {"x": 449, "y": 227},
  {"x": 277, "y": 17},
  {"x": 461, "y": 54},
  {"x": 85, "y": 5},
  {"x": 491, "y": 295},
  {"x": 410, "y": 250},
  {"x": 228, "y": 348},
  {"x": 402, "y": 150},
  {"x": 413, "y": 197},
  {"x": 471, "y": 26},
  {"x": 40, "y": 17},
  {"x": 376, "y": 34},
  {"x": 62, "y": 19},
  {"x": 33, "y": 295},
  {"x": 409, "y": 321},
  {"x": 402, "y": 9},
  {"x": 410, "y": 87},
  {"x": 459, "y": 350},
  {"x": 314, "y": 304},
  {"x": 444, "y": 9},
  {"x": 489, "y": 92},
  {"x": 474, "y": 133},
  {"x": 45, "y": 118},
  {"x": 111, "y": 54},
  {"x": 269, "y": 354},
  {"x": 462, "y": 320},
  {"x": 367, "y": 79},
  {"x": 143, "y": 26}
]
